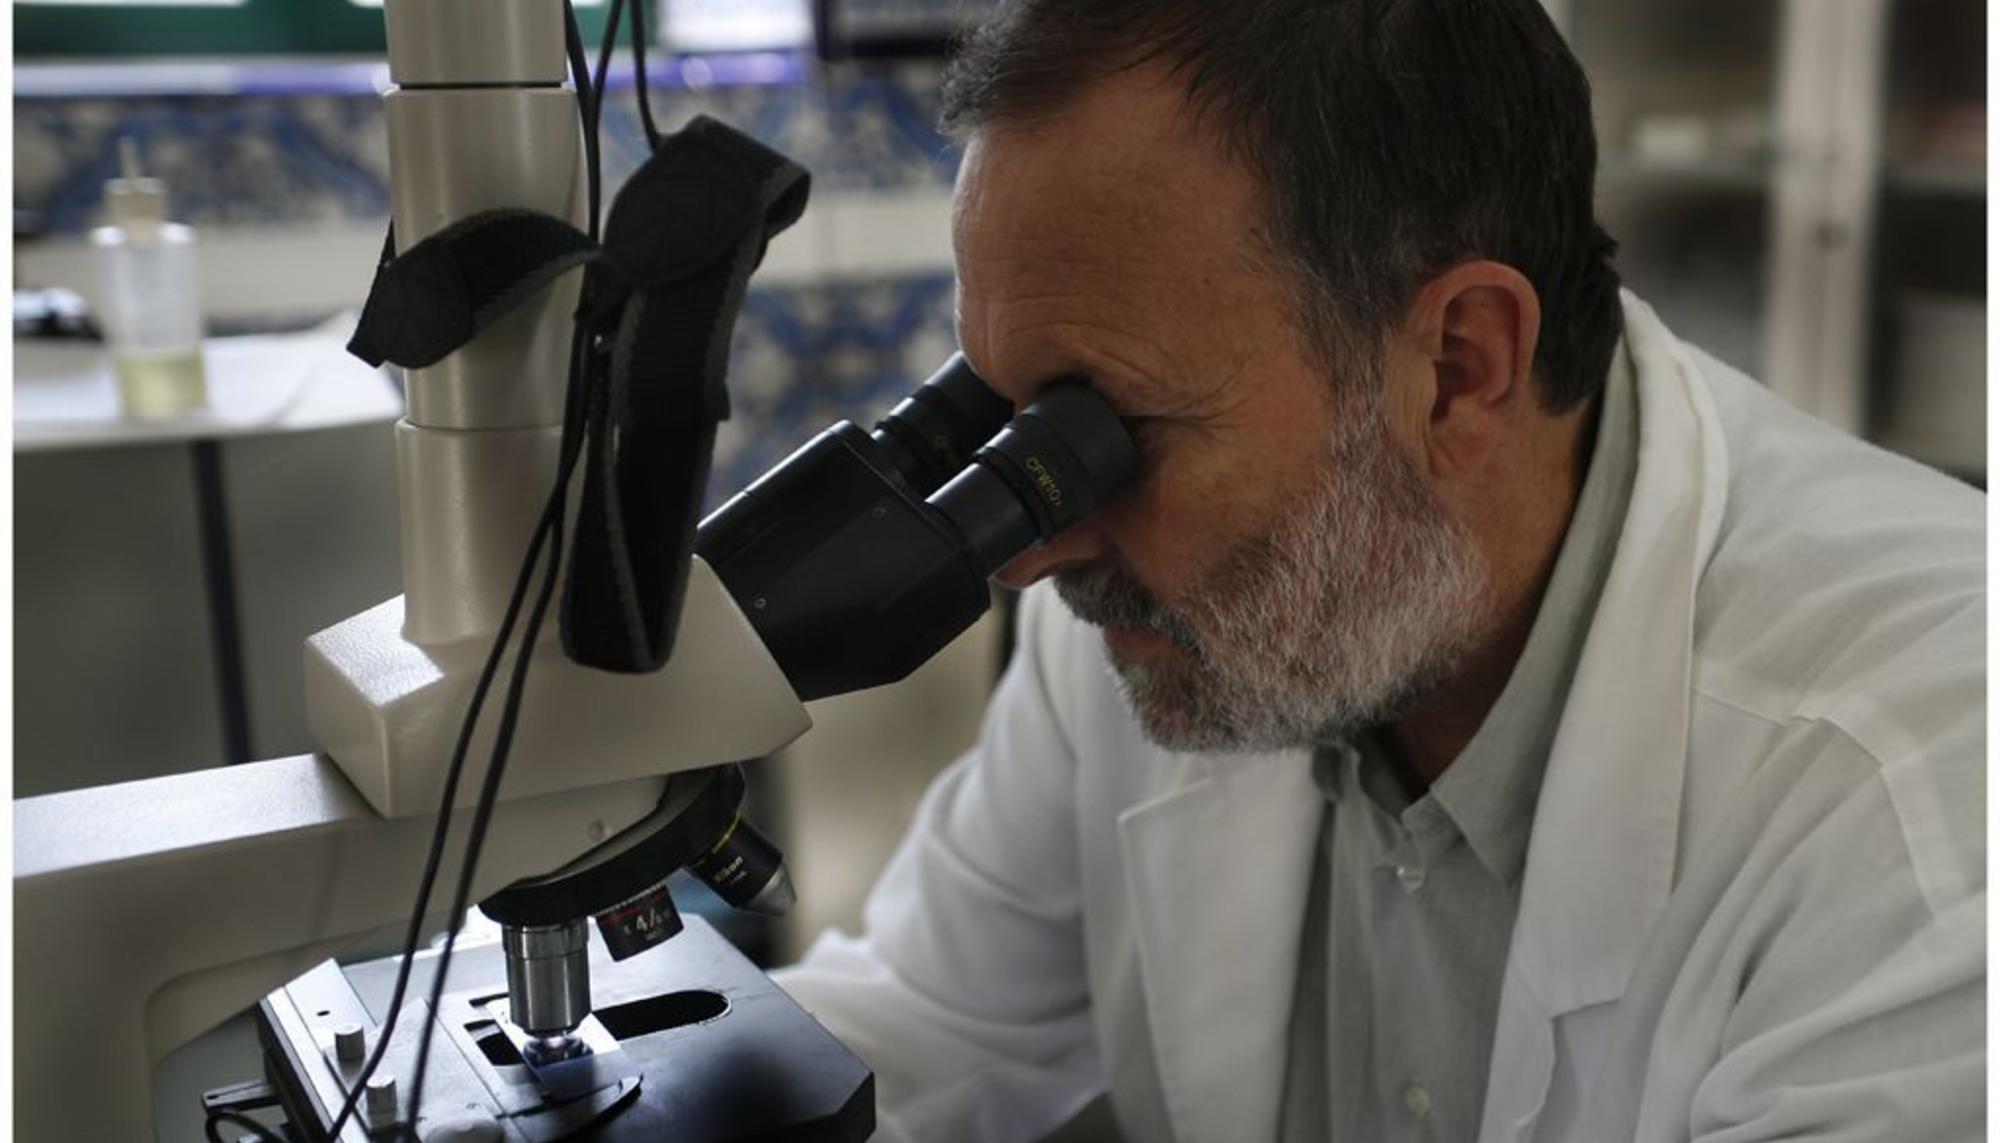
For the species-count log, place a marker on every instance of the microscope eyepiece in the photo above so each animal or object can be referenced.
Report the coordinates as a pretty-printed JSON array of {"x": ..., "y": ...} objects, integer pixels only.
[
  {"x": 853, "y": 580},
  {"x": 932, "y": 433},
  {"x": 1048, "y": 468}
]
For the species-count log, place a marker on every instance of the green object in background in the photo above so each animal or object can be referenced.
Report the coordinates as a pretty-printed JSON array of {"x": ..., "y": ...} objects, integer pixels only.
[{"x": 82, "y": 28}]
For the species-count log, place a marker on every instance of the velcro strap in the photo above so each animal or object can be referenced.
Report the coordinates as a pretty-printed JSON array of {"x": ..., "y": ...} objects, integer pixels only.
[
  {"x": 682, "y": 238},
  {"x": 660, "y": 299},
  {"x": 445, "y": 290}
]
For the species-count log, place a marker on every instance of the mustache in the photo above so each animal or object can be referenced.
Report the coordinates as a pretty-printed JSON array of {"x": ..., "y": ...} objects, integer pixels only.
[{"x": 1111, "y": 597}]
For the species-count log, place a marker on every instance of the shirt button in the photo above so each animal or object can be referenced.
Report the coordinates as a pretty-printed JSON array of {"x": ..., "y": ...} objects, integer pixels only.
[
  {"x": 1412, "y": 876},
  {"x": 1417, "y": 1100}
]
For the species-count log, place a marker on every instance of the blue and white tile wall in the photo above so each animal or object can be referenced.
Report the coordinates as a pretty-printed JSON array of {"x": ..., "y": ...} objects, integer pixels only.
[
  {"x": 836, "y": 341},
  {"x": 228, "y": 159}
]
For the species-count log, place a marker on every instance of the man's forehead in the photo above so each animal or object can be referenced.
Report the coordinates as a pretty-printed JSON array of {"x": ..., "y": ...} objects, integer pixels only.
[
  {"x": 1129, "y": 137},
  {"x": 1119, "y": 184},
  {"x": 1117, "y": 214}
]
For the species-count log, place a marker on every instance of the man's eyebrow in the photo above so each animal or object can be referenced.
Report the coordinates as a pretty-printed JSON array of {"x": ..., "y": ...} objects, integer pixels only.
[
  {"x": 1142, "y": 394},
  {"x": 1120, "y": 378}
]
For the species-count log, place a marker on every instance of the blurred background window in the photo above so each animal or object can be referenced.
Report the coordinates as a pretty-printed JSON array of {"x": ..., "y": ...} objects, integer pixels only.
[
  {"x": 98, "y": 28},
  {"x": 1799, "y": 186}
]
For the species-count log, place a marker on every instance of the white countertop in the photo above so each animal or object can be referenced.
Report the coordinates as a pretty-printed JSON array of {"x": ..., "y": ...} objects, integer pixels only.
[{"x": 65, "y": 395}]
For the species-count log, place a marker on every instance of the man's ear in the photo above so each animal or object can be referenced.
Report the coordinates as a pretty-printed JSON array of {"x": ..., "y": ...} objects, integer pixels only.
[{"x": 1472, "y": 331}]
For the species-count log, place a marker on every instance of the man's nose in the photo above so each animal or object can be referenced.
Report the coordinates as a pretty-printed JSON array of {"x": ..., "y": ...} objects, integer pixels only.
[{"x": 1075, "y": 546}]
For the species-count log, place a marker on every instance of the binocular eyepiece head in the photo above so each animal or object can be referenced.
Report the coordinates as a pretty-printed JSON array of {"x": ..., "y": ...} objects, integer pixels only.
[
  {"x": 932, "y": 433},
  {"x": 1047, "y": 468},
  {"x": 862, "y": 554}
]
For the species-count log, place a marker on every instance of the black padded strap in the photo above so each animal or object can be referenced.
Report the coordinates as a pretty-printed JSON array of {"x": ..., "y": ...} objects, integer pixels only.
[
  {"x": 660, "y": 299},
  {"x": 682, "y": 238},
  {"x": 440, "y": 293}
]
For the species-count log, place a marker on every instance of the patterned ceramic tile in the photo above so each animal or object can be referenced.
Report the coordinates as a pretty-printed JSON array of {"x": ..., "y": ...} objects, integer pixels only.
[
  {"x": 805, "y": 357},
  {"x": 884, "y": 132},
  {"x": 854, "y": 130},
  {"x": 305, "y": 158},
  {"x": 226, "y": 159}
]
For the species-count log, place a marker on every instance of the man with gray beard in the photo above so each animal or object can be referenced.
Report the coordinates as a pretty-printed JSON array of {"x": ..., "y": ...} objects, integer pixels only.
[
  {"x": 1361, "y": 599},
  {"x": 1487, "y": 717}
]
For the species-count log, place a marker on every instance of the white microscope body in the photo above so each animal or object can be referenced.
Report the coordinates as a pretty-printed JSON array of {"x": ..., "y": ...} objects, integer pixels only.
[{"x": 148, "y": 912}]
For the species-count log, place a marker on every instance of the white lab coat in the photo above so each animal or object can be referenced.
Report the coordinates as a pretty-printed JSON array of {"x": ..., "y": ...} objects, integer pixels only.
[{"x": 1754, "y": 903}]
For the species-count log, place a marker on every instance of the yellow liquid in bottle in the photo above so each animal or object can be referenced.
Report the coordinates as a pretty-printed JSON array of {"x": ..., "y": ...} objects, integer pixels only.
[{"x": 161, "y": 384}]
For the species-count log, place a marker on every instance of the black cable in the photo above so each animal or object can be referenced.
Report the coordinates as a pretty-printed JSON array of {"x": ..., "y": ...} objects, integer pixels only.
[
  {"x": 605, "y": 47},
  {"x": 413, "y": 936},
  {"x": 579, "y": 70},
  {"x": 433, "y": 861},
  {"x": 550, "y": 527},
  {"x": 639, "y": 76},
  {"x": 579, "y": 66},
  {"x": 489, "y": 791},
  {"x": 223, "y": 1115},
  {"x": 571, "y": 417}
]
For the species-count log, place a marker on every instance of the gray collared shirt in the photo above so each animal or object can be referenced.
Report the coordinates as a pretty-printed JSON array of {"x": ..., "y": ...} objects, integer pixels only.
[{"x": 1412, "y": 901}]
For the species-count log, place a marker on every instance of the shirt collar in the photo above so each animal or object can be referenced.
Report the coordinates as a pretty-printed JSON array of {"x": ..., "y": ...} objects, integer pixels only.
[{"x": 1490, "y": 790}]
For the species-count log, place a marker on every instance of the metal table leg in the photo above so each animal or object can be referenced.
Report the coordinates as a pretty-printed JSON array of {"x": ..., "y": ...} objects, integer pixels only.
[{"x": 219, "y": 574}]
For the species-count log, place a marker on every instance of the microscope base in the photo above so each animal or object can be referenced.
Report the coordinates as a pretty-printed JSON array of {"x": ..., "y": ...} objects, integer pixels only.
[{"x": 709, "y": 1051}]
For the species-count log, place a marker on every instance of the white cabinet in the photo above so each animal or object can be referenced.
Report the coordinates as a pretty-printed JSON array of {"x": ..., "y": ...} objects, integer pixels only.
[
  {"x": 1926, "y": 284},
  {"x": 1799, "y": 186}
]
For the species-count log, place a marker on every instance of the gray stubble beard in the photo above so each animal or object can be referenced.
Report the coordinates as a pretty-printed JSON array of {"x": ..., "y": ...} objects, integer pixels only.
[{"x": 1340, "y": 616}]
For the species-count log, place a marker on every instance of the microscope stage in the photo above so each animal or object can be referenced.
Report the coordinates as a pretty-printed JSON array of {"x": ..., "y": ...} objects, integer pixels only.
[{"x": 708, "y": 1050}]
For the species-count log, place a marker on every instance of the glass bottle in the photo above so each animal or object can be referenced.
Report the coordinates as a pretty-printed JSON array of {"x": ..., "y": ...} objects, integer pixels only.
[{"x": 148, "y": 302}]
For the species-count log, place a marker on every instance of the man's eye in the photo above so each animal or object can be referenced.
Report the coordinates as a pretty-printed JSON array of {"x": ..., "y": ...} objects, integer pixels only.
[{"x": 1147, "y": 435}]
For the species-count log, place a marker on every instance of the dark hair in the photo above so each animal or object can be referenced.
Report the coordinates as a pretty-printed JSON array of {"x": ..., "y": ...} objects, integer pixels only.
[{"x": 1392, "y": 137}]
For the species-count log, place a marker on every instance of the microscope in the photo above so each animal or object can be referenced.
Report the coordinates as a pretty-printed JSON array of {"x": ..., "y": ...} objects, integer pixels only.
[
  {"x": 853, "y": 561},
  {"x": 148, "y": 912}
]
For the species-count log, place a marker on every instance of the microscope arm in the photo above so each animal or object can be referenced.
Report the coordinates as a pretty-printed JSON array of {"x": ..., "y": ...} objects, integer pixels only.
[{"x": 148, "y": 912}]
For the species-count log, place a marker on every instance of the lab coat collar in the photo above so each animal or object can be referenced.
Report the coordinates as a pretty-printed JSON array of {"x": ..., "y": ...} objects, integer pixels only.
[
  {"x": 1219, "y": 870},
  {"x": 1601, "y": 859}
]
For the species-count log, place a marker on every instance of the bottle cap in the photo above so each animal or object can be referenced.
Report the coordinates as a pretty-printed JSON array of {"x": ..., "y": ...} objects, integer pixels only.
[{"x": 132, "y": 200}]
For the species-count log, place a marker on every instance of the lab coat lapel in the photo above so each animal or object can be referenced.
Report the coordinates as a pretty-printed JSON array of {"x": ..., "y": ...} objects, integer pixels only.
[
  {"x": 1601, "y": 862},
  {"x": 1219, "y": 870}
]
